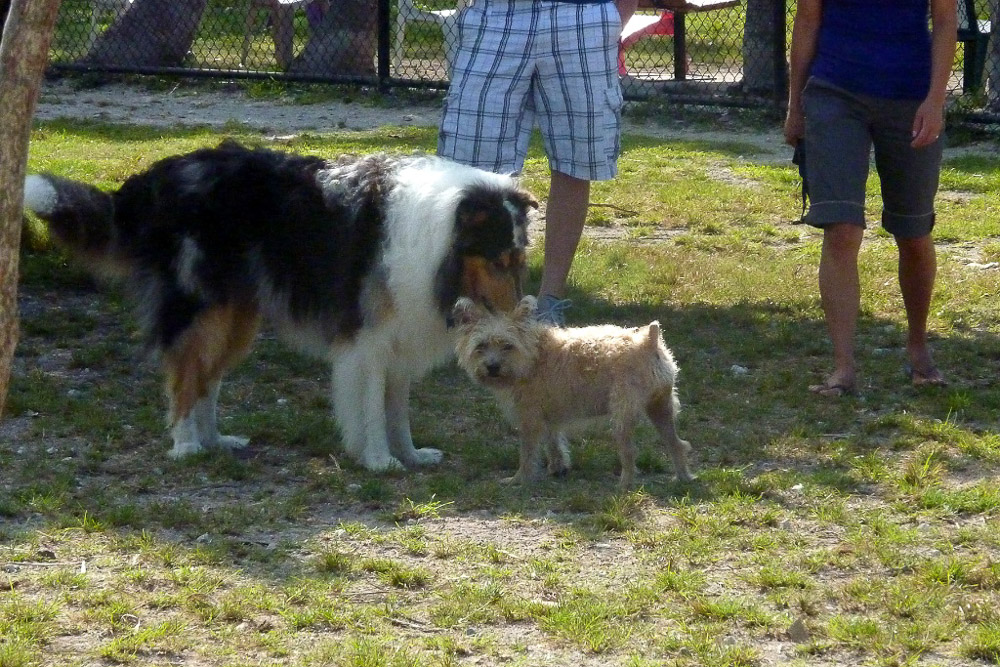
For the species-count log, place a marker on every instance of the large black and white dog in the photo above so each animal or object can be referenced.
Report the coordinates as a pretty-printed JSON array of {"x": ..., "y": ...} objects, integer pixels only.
[{"x": 357, "y": 261}]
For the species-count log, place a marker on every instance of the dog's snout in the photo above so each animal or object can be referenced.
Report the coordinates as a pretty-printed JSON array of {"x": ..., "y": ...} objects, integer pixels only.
[{"x": 493, "y": 369}]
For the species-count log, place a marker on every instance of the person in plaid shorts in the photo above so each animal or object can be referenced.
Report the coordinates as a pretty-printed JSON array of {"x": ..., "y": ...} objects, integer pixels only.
[{"x": 550, "y": 62}]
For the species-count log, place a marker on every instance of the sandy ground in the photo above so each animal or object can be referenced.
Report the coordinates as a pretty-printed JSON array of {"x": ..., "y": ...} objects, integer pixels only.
[{"x": 122, "y": 103}]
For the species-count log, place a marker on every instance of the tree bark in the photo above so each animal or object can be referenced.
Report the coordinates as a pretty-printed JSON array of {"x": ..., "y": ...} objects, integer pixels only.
[
  {"x": 759, "y": 37},
  {"x": 343, "y": 43},
  {"x": 151, "y": 33},
  {"x": 992, "y": 66},
  {"x": 24, "y": 51}
]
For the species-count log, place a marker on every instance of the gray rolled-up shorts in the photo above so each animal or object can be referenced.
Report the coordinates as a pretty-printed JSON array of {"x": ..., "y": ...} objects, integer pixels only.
[{"x": 841, "y": 129}]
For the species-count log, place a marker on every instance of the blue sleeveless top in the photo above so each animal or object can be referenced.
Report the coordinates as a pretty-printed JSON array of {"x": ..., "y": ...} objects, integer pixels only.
[{"x": 880, "y": 48}]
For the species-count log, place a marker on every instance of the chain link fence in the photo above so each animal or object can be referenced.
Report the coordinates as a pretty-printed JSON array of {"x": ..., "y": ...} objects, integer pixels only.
[{"x": 708, "y": 51}]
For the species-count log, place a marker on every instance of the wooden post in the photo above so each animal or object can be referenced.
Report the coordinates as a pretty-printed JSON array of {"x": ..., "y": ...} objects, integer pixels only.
[
  {"x": 24, "y": 50},
  {"x": 992, "y": 73}
]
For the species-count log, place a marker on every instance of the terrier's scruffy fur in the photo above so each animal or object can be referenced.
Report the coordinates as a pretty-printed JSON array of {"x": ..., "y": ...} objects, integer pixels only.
[{"x": 547, "y": 378}]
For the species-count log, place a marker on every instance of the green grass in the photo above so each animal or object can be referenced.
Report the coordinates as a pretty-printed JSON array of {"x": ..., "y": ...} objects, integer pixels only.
[{"x": 869, "y": 523}]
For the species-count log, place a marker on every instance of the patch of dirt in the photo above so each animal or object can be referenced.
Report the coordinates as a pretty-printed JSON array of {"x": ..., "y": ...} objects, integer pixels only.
[{"x": 121, "y": 103}]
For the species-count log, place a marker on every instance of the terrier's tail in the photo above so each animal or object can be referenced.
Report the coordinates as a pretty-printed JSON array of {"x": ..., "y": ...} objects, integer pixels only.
[{"x": 81, "y": 217}]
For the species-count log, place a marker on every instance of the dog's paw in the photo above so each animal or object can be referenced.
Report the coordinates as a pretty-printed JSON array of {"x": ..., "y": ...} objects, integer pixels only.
[
  {"x": 521, "y": 478},
  {"x": 557, "y": 453},
  {"x": 558, "y": 468},
  {"x": 686, "y": 476},
  {"x": 426, "y": 456},
  {"x": 385, "y": 463},
  {"x": 232, "y": 442},
  {"x": 184, "y": 448}
]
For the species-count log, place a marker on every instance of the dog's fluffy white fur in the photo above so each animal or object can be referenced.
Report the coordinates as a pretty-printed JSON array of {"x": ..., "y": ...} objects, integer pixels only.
[
  {"x": 357, "y": 261},
  {"x": 546, "y": 378}
]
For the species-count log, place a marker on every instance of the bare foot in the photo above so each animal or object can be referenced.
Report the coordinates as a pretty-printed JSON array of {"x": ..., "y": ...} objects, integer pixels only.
[
  {"x": 927, "y": 377},
  {"x": 836, "y": 386}
]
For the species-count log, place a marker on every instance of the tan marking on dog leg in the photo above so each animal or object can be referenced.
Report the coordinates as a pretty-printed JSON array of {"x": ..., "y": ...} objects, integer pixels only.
[
  {"x": 243, "y": 325},
  {"x": 662, "y": 412},
  {"x": 217, "y": 340}
]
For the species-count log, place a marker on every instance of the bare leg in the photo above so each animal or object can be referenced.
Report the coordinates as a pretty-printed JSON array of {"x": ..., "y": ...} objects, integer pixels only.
[
  {"x": 917, "y": 269},
  {"x": 565, "y": 216},
  {"x": 840, "y": 293}
]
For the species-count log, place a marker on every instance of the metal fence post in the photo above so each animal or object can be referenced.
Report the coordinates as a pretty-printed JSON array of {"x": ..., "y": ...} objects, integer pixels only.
[
  {"x": 384, "y": 32},
  {"x": 780, "y": 51}
]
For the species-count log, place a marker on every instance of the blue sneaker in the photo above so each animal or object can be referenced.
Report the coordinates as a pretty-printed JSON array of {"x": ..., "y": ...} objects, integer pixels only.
[{"x": 552, "y": 310}]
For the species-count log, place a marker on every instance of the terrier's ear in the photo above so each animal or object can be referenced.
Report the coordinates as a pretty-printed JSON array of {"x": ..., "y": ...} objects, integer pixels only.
[
  {"x": 466, "y": 311},
  {"x": 523, "y": 198},
  {"x": 525, "y": 309}
]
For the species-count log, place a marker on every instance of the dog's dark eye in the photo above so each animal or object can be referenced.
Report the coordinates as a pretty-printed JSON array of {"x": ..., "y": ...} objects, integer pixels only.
[
  {"x": 508, "y": 347},
  {"x": 481, "y": 347}
]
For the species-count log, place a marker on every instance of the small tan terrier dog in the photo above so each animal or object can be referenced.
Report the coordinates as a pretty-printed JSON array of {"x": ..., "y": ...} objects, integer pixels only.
[{"x": 546, "y": 378}]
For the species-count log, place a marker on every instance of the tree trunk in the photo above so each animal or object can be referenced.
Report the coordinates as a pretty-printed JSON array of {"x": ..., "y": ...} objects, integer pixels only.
[
  {"x": 343, "y": 43},
  {"x": 150, "y": 33},
  {"x": 759, "y": 37},
  {"x": 24, "y": 51},
  {"x": 992, "y": 73}
]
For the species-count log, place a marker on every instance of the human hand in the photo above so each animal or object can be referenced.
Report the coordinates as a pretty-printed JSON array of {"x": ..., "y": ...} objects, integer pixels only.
[
  {"x": 795, "y": 125},
  {"x": 927, "y": 124}
]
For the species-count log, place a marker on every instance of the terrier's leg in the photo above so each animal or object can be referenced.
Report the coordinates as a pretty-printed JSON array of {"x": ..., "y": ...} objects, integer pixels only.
[
  {"x": 532, "y": 434},
  {"x": 624, "y": 427},
  {"x": 662, "y": 411},
  {"x": 557, "y": 453}
]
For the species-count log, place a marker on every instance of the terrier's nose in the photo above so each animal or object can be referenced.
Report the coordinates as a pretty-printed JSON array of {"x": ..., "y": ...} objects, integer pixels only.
[{"x": 493, "y": 369}]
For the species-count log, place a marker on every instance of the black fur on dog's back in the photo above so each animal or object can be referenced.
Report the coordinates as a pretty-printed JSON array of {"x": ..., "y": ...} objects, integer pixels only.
[
  {"x": 252, "y": 215},
  {"x": 211, "y": 226}
]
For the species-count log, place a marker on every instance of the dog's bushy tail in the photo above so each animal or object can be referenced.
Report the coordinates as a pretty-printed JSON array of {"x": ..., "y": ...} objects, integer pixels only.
[
  {"x": 655, "y": 338},
  {"x": 80, "y": 216}
]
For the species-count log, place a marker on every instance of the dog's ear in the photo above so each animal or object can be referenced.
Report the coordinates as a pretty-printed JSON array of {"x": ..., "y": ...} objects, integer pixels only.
[
  {"x": 525, "y": 309},
  {"x": 523, "y": 199},
  {"x": 466, "y": 312}
]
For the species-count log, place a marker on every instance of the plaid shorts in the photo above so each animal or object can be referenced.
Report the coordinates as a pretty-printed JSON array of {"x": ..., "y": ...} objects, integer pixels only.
[{"x": 519, "y": 61}]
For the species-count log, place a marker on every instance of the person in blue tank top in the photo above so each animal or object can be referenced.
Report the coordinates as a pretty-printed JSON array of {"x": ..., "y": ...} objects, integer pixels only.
[{"x": 864, "y": 74}]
